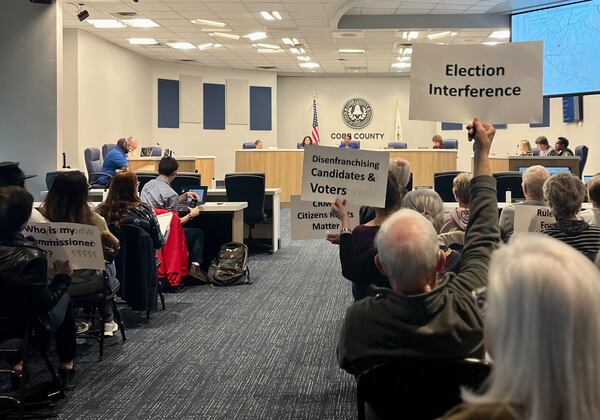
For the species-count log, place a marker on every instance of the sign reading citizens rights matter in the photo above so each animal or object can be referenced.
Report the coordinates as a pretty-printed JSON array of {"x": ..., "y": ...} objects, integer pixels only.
[
  {"x": 79, "y": 244},
  {"x": 358, "y": 176},
  {"x": 315, "y": 219},
  {"x": 499, "y": 83}
]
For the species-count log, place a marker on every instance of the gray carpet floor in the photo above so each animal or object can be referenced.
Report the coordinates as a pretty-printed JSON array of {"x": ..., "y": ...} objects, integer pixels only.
[{"x": 262, "y": 351}]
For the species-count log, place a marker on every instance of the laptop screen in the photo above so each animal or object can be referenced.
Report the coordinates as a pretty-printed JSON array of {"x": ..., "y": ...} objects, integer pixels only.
[{"x": 201, "y": 191}]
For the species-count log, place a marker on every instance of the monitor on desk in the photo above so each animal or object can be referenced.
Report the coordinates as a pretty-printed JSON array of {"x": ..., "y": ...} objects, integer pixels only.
[
  {"x": 551, "y": 169},
  {"x": 146, "y": 151}
]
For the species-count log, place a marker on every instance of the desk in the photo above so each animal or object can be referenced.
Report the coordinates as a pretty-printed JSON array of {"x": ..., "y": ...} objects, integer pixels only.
[
  {"x": 269, "y": 230},
  {"x": 204, "y": 165},
  {"x": 233, "y": 208},
  {"x": 513, "y": 163},
  {"x": 283, "y": 167}
]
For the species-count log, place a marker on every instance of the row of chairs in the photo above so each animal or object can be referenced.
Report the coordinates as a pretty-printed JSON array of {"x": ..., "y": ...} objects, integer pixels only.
[{"x": 506, "y": 181}]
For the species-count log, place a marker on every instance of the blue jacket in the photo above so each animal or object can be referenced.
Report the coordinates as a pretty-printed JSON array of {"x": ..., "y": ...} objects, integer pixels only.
[
  {"x": 115, "y": 159},
  {"x": 350, "y": 145}
]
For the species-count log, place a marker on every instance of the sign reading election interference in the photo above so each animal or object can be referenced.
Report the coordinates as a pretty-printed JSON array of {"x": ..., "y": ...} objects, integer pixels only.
[
  {"x": 314, "y": 219},
  {"x": 500, "y": 83},
  {"x": 358, "y": 176}
]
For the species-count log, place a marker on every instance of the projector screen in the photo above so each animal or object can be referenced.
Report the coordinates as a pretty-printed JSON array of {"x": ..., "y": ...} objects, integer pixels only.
[{"x": 571, "y": 36}]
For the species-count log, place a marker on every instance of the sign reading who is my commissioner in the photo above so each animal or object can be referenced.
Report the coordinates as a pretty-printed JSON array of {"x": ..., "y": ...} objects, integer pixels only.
[{"x": 358, "y": 176}]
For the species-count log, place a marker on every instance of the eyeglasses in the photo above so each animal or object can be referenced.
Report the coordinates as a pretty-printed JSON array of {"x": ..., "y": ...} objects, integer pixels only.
[{"x": 480, "y": 297}]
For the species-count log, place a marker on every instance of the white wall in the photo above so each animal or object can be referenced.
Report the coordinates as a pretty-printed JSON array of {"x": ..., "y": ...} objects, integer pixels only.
[
  {"x": 29, "y": 54},
  {"x": 193, "y": 139},
  {"x": 112, "y": 93},
  {"x": 295, "y": 109},
  {"x": 505, "y": 142}
]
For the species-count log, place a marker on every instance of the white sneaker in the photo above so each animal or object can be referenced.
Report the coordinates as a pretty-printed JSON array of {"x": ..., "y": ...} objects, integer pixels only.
[{"x": 110, "y": 328}]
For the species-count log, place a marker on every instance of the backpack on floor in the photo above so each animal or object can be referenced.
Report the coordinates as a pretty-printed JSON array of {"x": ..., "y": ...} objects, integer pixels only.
[{"x": 230, "y": 268}]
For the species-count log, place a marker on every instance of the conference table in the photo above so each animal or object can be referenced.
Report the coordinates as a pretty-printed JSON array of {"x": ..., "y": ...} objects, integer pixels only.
[
  {"x": 204, "y": 165},
  {"x": 514, "y": 163},
  {"x": 283, "y": 167}
]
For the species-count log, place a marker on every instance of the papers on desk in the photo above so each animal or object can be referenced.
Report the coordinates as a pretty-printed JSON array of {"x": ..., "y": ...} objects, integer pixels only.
[{"x": 164, "y": 221}]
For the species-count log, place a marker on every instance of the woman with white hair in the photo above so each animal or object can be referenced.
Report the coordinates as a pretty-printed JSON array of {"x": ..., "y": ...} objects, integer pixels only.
[{"x": 542, "y": 329}]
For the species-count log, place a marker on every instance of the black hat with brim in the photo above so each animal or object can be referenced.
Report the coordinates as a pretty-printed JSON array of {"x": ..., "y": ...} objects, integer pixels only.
[{"x": 10, "y": 173}]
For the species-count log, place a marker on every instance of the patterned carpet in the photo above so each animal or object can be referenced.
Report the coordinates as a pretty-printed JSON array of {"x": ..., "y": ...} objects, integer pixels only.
[{"x": 262, "y": 351}]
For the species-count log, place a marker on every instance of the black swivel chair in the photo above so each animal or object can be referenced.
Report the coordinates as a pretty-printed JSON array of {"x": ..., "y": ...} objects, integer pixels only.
[
  {"x": 417, "y": 388},
  {"x": 397, "y": 145},
  {"x": 144, "y": 177},
  {"x": 93, "y": 165},
  {"x": 442, "y": 184},
  {"x": 50, "y": 177},
  {"x": 106, "y": 149},
  {"x": 249, "y": 187},
  {"x": 450, "y": 144},
  {"x": 582, "y": 153},
  {"x": 185, "y": 179},
  {"x": 249, "y": 145},
  {"x": 509, "y": 181}
]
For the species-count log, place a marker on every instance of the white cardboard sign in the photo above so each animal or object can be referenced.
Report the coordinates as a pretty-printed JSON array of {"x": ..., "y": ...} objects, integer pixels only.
[
  {"x": 314, "y": 219},
  {"x": 532, "y": 218},
  {"x": 359, "y": 176},
  {"x": 500, "y": 83},
  {"x": 79, "y": 244}
]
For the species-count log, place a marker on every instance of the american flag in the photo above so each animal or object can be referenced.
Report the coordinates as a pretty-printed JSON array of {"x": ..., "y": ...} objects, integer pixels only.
[{"x": 315, "y": 130}]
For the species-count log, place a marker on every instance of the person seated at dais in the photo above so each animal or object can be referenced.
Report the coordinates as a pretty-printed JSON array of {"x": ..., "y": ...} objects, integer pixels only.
[
  {"x": 544, "y": 147},
  {"x": 116, "y": 159},
  {"x": 438, "y": 142},
  {"x": 258, "y": 144},
  {"x": 306, "y": 141},
  {"x": 524, "y": 148},
  {"x": 562, "y": 147}
]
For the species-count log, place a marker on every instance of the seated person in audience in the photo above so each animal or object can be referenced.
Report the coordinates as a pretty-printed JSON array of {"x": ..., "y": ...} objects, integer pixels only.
[
  {"x": 524, "y": 148},
  {"x": 67, "y": 202},
  {"x": 562, "y": 147},
  {"x": 424, "y": 314},
  {"x": 258, "y": 144},
  {"x": 592, "y": 216},
  {"x": 159, "y": 194},
  {"x": 542, "y": 330},
  {"x": 360, "y": 240},
  {"x": 564, "y": 194},
  {"x": 345, "y": 144},
  {"x": 458, "y": 218},
  {"x": 438, "y": 142},
  {"x": 25, "y": 292},
  {"x": 306, "y": 141},
  {"x": 401, "y": 168},
  {"x": 116, "y": 159},
  {"x": 533, "y": 189},
  {"x": 123, "y": 206},
  {"x": 12, "y": 175},
  {"x": 544, "y": 147}
]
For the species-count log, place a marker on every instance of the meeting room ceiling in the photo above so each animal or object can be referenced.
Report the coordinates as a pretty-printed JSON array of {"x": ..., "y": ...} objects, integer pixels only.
[{"x": 300, "y": 36}]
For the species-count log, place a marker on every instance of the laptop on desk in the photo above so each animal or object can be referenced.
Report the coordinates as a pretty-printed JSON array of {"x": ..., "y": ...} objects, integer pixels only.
[{"x": 202, "y": 195}]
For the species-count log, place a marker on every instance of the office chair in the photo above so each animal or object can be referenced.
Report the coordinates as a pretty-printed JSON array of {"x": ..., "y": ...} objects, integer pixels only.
[
  {"x": 249, "y": 187},
  {"x": 450, "y": 144},
  {"x": 249, "y": 145},
  {"x": 185, "y": 179},
  {"x": 582, "y": 153},
  {"x": 397, "y": 145},
  {"x": 106, "y": 148},
  {"x": 50, "y": 177},
  {"x": 425, "y": 388},
  {"x": 442, "y": 184},
  {"x": 156, "y": 151},
  {"x": 300, "y": 145},
  {"x": 144, "y": 177},
  {"x": 93, "y": 165},
  {"x": 509, "y": 181},
  {"x": 536, "y": 151}
]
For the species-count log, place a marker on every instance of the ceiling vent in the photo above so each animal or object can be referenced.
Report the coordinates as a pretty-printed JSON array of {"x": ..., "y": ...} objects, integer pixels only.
[
  {"x": 353, "y": 35},
  {"x": 356, "y": 69},
  {"x": 187, "y": 60},
  {"x": 120, "y": 15},
  {"x": 267, "y": 68}
]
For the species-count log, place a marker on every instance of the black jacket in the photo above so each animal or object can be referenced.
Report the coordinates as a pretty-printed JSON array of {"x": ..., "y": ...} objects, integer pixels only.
[{"x": 24, "y": 288}]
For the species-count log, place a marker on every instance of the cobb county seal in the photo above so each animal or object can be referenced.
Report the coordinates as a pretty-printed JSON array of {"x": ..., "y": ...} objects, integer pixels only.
[{"x": 357, "y": 113}]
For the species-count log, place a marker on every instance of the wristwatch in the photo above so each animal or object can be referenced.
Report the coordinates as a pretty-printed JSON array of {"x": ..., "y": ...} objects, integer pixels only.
[{"x": 345, "y": 230}]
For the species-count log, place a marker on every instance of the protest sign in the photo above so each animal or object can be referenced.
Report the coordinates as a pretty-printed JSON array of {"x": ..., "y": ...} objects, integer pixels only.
[
  {"x": 500, "y": 83},
  {"x": 79, "y": 244},
  {"x": 314, "y": 219},
  {"x": 532, "y": 218},
  {"x": 358, "y": 176}
]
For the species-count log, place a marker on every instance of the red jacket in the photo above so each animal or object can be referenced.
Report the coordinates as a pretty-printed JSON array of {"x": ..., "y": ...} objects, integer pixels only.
[{"x": 173, "y": 255}]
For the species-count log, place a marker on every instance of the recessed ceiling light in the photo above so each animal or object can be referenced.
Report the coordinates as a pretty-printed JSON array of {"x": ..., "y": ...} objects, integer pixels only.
[
  {"x": 500, "y": 35},
  {"x": 105, "y": 23},
  {"x": 407, "y": 51},
  {"x": 208, "y": 23},
  {"x": 309, "y": 65},
  {"x": 224, "y": 35},
  {"x": 303, "y": 58},
  {"x": 405, "y": 58},
  {"x": 269, "y": 50},
  {"x": 256, "y": 36},
  {"x": 490, "y": 43},
  {"x": 206, "y": 46},
  {"x": 181, "y": 45},
  {"x": 274, "y": 15},
  {"x": 410, "y": 35},
  {"x": 217, "y": 45},
  {"x": 298, "y": 51},
  {"x": 269, "y": 46},
  {"x": 439, "y": 35},
  {"x": 290, "y": 41},
  {"x": 351, "y": 51},
  {"x": 401, "y": 65},
  {"x": 142, "y": 41},
  {"x": 141, "y": 23}
]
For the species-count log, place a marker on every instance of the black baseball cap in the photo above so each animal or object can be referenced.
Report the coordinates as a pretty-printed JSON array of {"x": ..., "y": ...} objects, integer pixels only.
[{"x": 11, "y": 174}]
